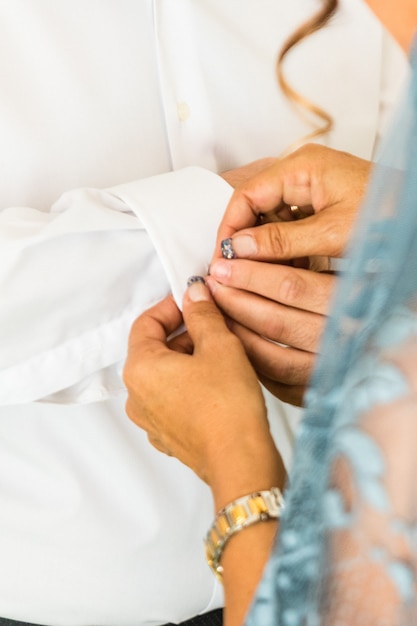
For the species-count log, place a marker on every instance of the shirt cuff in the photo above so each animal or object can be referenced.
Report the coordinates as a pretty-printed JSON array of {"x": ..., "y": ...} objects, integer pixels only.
[{"x": 181, "y": 212}]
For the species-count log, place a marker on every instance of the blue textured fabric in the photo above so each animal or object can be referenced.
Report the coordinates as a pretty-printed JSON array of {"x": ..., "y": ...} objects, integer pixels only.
[{"x": 347, "y": 549}]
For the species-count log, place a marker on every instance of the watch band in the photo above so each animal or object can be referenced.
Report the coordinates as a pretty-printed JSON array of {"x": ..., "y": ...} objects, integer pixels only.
[{"x": 241, "y": 513}]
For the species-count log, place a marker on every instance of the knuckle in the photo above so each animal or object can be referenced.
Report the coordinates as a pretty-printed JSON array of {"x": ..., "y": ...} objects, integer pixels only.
[
  {"x": 274, "y": 327},
  {"x": 273, "y": 241},
  {"x": 159, "y": 445},
  {"x": 134, "y": 414},
  {"x": 127, "y": 375},
  {"x": 292, "y": 288},
  {"x": 128, "y": 408},
  {"x": 306, "y": 152},
  {"x": 136, "y": 378}
]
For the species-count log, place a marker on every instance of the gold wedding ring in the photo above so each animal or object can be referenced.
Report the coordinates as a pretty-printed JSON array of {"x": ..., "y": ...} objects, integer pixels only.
[{"x": 296, "y": 212}]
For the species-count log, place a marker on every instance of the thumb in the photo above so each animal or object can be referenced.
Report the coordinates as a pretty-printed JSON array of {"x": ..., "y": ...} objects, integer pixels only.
[
  {"x": 203, "y": 319},
  {"x": 324, "y": 233}
]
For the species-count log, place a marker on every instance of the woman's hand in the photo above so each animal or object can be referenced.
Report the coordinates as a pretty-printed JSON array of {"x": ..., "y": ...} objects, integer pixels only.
[
  {"x": 327, "y": 185},
  {"x": 198, "y": 397},
  {"x": 241, "y": 175},
  {"x": 278, "y": 312},
  {"x": 278, "y": 308}
]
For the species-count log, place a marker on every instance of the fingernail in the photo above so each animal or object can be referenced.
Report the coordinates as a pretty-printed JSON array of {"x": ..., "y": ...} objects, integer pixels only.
[
  {"x": 195, "y": 279},
  {"x": 244, "y": 245},
  {"x": 220, "y": 269},
  {"x": 227, "y": 249},
  {"x": 197, "y": 289}
]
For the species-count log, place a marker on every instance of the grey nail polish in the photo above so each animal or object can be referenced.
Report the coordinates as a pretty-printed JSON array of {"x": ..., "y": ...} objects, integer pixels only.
[
  {"x": 195, "y": 279},
  {"x": 227, "y": 249}
]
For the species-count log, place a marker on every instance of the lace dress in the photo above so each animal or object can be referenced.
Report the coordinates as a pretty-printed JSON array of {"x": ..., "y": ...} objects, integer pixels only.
[{"x": 347, "y": 549}]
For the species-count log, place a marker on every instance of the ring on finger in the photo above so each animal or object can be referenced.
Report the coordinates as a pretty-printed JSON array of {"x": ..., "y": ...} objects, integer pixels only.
[{"x": 296, "y": 212}]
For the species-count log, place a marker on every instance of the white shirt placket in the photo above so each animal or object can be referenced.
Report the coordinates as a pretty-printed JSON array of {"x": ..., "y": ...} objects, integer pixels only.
[{"x": 183, "y": 90}]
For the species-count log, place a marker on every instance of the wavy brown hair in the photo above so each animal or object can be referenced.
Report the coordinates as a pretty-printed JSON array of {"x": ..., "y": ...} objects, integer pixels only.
[{"x": 317, "y": 21}]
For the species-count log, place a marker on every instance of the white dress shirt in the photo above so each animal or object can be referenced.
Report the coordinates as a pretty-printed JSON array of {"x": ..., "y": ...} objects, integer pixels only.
[{"x": 104, "y": 108}]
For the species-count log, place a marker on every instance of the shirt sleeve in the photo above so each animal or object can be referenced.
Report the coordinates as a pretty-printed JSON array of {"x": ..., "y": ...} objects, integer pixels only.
[{"x": 74, "y": 278}]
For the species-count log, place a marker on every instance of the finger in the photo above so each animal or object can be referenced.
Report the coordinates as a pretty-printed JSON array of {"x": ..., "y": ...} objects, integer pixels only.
[
  {"x": 148, "y": 338},
  {"x": 273, "y": 361},
  {"x": 263, "y": 194},
  {"x": 298, "y": 288},
  {"x": 240, "y": 175},
  {"x": 285, "y": 213},
  {"x": 152, "y": 328},
  {"x": 291, "y": 394},
  {"x": 325, "y": 233},
  {"x": 277, "y": 322},
  {"x": 205, "y": 323}
]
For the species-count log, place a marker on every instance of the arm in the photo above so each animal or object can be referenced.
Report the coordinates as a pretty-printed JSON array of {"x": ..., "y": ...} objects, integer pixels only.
[
  {"x": 59, "y": 277},
  {"x": 200, "y": 401},
  {"x": 73, "y": 279}
]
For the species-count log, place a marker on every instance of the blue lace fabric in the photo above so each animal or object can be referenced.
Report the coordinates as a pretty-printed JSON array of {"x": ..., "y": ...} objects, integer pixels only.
[{"x": 347, "y": 548}]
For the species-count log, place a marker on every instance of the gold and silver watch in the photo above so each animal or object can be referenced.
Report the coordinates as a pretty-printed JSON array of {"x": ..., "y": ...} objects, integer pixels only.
[{"x": 241, "y": 513}]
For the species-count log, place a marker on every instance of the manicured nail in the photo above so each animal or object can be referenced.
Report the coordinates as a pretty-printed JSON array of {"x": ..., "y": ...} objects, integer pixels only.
[
  {"x": 195, "y": 279},
  {"x": 220, "y": 269},
  {"x": 227, "y": 249},
  {"x": 197, "y": 289},
  {"x": 244, "y": 246}
]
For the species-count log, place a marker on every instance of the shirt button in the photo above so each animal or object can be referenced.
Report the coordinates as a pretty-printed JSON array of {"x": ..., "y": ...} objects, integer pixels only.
[{"x": 183, "y": 111}]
